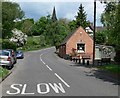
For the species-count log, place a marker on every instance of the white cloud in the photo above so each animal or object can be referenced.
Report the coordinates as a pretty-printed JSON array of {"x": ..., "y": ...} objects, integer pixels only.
[
  {"x": 70, "y": 16},
  {"x": 68, "y": 9},
  {"x": 53, "y": 0}
]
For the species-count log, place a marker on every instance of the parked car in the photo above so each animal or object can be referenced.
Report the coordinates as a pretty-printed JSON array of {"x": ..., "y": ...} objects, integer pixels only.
[
  {"x": 13, "y": 55},
  {"x": 19, "y": 54},
  {"x": 6, "y": 59}
]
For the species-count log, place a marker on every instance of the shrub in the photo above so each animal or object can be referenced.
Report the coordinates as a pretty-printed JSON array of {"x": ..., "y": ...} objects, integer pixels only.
[
  {"x": 100, "y": 38},
  {"x": 6, "y": 44},
  {"x": 117, "y": 57}
]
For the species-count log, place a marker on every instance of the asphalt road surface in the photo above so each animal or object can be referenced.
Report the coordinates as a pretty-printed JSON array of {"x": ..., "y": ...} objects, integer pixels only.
[{"x": 43, "y": 73}]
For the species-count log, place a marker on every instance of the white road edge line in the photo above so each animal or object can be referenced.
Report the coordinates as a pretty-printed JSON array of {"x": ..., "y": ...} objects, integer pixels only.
[
  {"x": 48, "y": 67},
  {"x": 41, "y": 59},
  {"x": 40, "y": 56},
  {"x": 61, "y": 79}
]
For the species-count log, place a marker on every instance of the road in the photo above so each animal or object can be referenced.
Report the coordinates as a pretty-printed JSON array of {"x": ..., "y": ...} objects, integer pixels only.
[{"x": 43, "y": 73}]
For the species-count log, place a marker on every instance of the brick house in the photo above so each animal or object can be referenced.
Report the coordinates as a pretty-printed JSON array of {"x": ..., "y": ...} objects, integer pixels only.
[{"x": 79, "y": 40}]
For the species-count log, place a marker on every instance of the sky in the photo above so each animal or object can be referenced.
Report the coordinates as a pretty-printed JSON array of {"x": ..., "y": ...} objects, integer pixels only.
[{"x": 64, "y": 8}]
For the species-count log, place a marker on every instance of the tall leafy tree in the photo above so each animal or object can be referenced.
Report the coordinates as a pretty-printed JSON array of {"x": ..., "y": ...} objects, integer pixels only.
[
  {"x": 25, "y": 26},
  {"x": 0, "y": 20},
  {"x": 81, "y": 18},
  {"x": 116, "y": 33},
  {"x": 40, "y": 26},
  {"x": 111, "y": 20},
  {"x": 108, "y": 20},
  {"x": 72, "y": 25},
  {"x": 100, "y": 37},
  {"x": 10, "y": 12},
  {"x": 56, "y": 32},
  {"x": 108, "y": 17}
]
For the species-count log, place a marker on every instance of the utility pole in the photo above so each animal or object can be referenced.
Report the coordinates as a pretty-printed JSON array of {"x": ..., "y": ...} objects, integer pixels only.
[{"x": 94, "y": 32}]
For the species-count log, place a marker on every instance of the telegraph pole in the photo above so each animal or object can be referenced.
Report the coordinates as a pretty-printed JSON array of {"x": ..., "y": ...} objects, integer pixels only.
[{"x": 94, "y": 32}]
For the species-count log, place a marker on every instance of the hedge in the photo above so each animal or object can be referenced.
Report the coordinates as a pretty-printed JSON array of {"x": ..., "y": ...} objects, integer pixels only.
[{"x": 6, "y": 44}]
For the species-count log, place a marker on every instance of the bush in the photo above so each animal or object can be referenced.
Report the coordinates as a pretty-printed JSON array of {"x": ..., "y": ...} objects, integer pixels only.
[
  {"x": 6, "y": 44},
  {"x": 100, "y": 38},
  {"x": 117, "y": 57}
]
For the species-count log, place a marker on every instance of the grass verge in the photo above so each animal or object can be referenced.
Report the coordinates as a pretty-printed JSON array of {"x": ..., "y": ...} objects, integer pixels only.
[
  {"x": 32, "y": 48},
  {"x": 3, "y": 72},
  {"x": 34, "y": 43},
  {"x": 112, "y": 68}
]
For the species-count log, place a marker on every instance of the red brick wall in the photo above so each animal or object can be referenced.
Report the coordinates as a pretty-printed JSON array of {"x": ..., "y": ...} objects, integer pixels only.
[
  {"x": 62, "y": 50},
  {"x": 80, "y": 38}
]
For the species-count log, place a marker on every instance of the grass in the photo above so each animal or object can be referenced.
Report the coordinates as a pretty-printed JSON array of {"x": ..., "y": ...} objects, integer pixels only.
[
  {"x": 33, "y": 43},
  {"x": 32, "y": 48},
  {"x": 3, "y": 72},
  {"x": 111, "y": 68},
  {"x": 0, "y": 40}
]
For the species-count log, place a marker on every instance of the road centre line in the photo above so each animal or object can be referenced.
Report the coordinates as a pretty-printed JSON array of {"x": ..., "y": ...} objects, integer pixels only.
[
  {"x": 43, "y": 62},
  {"x": 55, "y": 73},
  {"x": 48, "y": 67},
  {"x": 61, "y": 79}
]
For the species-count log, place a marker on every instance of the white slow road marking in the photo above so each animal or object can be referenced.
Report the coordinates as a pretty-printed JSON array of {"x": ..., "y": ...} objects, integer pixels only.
[
  {"x": 48, "y": 67},
  {"x": 22, "y": 89},
  {"x": 61, "y": 80}
]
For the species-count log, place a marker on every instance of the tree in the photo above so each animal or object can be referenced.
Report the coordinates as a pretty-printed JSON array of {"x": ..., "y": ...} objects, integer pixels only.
[
  {"x": 81, "y": 18},
  {"x": 40, "y": 26},
  {"x": 25, "y": 26},
  {"x": 108, "y": 17},
  {"x": 72, "y": 25},
  {"x": 10, "y": 12},
  {"x": 0, "y": 19},
  {"x": 18, "y": 37},
  {"x": 100, "y": 37},
  {"x": 51, "y": 32},
  {"x": 111, "y": 20},
  {"x": 108, "y": 20},
  {"x": 115, "y": 34},
  {"x": 56, "y": 32},
  {"x": 62, "y": 31}
]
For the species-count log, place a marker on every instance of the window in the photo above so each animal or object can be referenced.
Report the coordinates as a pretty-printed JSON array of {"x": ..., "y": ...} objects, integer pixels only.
[{"x": 81, "y": 47}]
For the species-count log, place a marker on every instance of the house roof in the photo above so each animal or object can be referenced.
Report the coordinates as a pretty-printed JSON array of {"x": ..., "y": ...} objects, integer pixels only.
[
  {"x": 69, "y": 35},
  {"x": 98, "y": 28}
]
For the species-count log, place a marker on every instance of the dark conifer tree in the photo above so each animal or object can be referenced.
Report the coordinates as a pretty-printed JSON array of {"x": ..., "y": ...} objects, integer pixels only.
[{"x": 81, "y": 18}]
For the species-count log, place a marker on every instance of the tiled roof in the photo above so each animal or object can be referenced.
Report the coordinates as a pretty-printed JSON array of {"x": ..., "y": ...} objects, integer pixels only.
[{"x": 68, "y": 36}]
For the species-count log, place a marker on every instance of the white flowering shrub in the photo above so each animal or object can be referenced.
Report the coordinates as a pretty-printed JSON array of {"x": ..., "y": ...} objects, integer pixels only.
[{"x": 18, "y": 37}]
